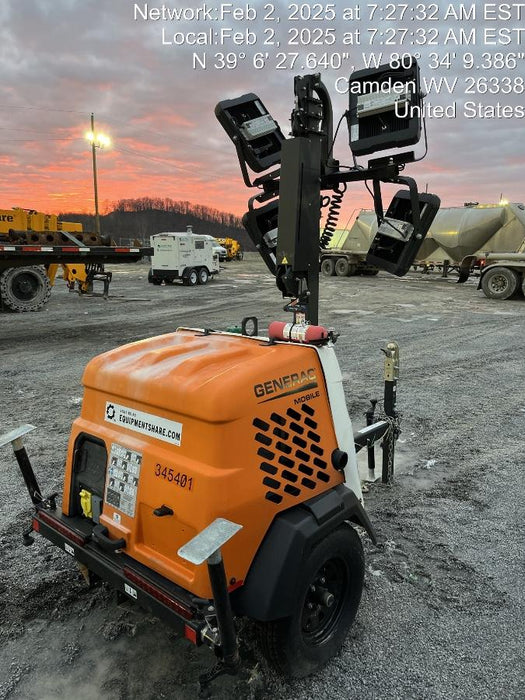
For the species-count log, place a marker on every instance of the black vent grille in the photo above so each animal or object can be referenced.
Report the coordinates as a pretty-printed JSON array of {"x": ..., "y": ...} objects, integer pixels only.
[{"x": 292, "y": 459}]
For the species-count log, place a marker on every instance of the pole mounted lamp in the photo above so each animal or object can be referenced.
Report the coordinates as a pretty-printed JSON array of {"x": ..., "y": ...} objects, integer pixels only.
[{"x": 97, "y": 140}]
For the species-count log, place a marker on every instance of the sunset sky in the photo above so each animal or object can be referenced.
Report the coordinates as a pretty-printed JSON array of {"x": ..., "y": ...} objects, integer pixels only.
[{"x": 63, "y": 59}]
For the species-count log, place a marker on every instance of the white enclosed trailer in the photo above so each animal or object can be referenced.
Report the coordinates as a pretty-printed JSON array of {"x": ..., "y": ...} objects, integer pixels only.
[{"x": 189, "y": 257}]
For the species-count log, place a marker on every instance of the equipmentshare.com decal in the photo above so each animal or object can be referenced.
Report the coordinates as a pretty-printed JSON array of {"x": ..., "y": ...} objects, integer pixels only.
[{"x": 145, "y": 423}]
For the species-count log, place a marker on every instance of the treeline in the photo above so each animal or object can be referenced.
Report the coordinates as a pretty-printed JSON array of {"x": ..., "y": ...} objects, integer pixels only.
[
  {"x": 186, "y": 208},
  {"x": 140, "y": 218}
]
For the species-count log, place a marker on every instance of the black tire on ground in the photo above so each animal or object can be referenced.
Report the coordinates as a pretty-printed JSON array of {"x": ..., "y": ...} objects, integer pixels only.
[
  {"x": 328, "y": 267},
  {"x": 153, "y": 279},
  {"x": 202, "y": 275},
  {"x": 330, "y": 587},
  {"x": 499, "y": 283},
  {"x": 342, "y": 267},
  {"x": 370, "y": 273},
  {"x": 24, "y": 288},
  {"x": 191, "y": 278}
]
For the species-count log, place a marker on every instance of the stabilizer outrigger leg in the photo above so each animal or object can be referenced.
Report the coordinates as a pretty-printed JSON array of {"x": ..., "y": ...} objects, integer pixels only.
[
  {"x": 389, "y": 441},
  {"x": 206, "y": 546},
  {"x": 15, "y": 438},
  {"x": 384, "y": 427}
]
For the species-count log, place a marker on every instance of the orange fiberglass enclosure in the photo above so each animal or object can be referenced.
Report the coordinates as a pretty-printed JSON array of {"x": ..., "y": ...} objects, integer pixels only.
[{"x": 208, "y": 425}]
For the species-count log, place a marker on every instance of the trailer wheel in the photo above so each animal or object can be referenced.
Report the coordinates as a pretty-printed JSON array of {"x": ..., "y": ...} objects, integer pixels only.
[
  {"x": 191, "y": 278},
  {"x": 342, "y": 268},
  {"x": 499, "y": 283},
  {"x": 203, "y": 275},
  {"x": 152, "y": 279},
  {"x": 328, "y": 595},
  {"x": 328, "y": 267},
  {"x": 24, "y": 288}
]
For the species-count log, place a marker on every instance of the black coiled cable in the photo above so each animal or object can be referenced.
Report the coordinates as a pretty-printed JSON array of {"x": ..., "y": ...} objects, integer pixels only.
[{"x": 334, "y": 210}]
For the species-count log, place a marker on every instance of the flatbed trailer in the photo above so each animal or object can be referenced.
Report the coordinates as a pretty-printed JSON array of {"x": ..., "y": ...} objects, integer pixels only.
[
  {"x": 24, "y": 278},
  {"x": 21, "y": 255}
]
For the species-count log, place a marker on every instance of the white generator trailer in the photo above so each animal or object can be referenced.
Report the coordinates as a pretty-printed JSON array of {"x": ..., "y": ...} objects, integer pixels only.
[{"x": 187, "y": 256}]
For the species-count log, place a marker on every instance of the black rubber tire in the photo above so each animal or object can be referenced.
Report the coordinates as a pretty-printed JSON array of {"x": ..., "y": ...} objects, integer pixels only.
[
  {"x": 300, "y": 644},
  {"x": 342, "y": 267},
  {"x": 153, "y": 280},
  {"x": 24, "y": 288},
  {"x": 499, "y": 282},
  {"x": 191, "y": 278},
  {"x": 328, "y": 267},
  {"x": 370, "y": 273},
  {"x": 203, "y": 275}
]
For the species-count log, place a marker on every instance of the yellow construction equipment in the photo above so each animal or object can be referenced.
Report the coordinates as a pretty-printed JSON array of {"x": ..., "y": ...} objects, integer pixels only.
[
  {"x": 26, "y": 226},
  {"x": 233, "y": 248},
  {"x": 27, "y": 287}
]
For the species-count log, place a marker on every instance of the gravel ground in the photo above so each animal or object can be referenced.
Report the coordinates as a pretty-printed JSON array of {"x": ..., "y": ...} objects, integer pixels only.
[{"x": 443, "y": 608}]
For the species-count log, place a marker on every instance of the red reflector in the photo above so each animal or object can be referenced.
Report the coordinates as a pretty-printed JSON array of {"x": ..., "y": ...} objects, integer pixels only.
[
  {"x": 235, "y": 586},
  {"x": 69, "y": 249},
  {"x": 36, "y": 525},
  {"x": 57, "y": 525},
  {"x": 158, "y": 594},
  {"x": 121, "y": 250},
  {"x": 190, "y": 634},
  {"x": 31, "y": 248}
]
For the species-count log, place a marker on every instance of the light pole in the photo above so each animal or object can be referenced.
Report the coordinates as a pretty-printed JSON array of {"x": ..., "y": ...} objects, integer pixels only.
[{"x": 97, "y": 140}]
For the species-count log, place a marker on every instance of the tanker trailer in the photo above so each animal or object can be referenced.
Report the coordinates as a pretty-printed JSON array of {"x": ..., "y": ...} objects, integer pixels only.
[
  {"x": 346, "y": 252},
  {"x": 459, "y": 236}
]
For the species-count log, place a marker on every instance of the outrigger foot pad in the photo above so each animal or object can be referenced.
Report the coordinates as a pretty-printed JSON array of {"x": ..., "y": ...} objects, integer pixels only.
[
  {"x": 27, "y": 539},
  {"x": 221, "y": 668}
]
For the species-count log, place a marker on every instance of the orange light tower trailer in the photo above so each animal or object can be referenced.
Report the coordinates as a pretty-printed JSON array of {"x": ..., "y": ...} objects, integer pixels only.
[{"x": 155, "y": 500}]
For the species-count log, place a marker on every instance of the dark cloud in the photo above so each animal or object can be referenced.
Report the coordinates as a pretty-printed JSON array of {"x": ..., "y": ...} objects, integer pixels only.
[{"x": 63, "y": 59}]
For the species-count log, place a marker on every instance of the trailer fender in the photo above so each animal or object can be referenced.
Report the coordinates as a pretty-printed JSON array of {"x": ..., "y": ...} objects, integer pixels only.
[
  {"x": 269, "y": 592},
  {"x": 465, "y": 267}
]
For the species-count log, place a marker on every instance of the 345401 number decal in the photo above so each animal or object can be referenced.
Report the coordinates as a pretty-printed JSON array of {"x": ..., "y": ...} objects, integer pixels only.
[{"x": 182, "y": 480}]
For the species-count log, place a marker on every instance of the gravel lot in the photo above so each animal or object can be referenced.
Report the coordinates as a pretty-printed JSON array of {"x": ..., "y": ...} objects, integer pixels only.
[{"x": 443, "y": 608}]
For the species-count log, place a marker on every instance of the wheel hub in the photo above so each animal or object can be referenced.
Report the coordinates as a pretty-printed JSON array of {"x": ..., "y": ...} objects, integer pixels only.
[
  {"x": 25, "y": 286},
  {"x": 499, "y": 283},
  {"x": 323, "y": 602}
]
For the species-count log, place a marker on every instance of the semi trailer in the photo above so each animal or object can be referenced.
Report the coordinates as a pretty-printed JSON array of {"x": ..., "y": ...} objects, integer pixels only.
[{"x": 460, "y": 237}]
